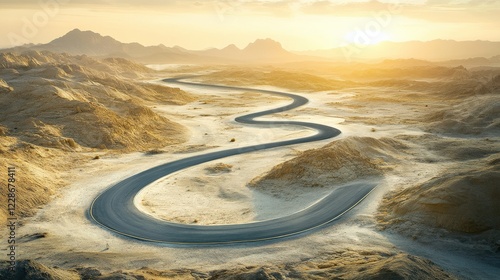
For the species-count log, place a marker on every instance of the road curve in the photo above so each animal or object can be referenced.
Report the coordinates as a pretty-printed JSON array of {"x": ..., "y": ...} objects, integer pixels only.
[{"x": 114, "y": 209}]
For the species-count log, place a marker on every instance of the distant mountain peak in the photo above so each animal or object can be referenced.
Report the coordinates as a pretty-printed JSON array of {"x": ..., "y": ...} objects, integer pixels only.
[
  {"x": 267, "y": 40},
  {"x": 231, "y": 47},
  {"x": 79, "y": 33},
  {"x": 265, "y": 47},
  {"x": 83, "y": 36},
  {"x": 85, "y": 42},
  {"x": 265, "y": 43}
]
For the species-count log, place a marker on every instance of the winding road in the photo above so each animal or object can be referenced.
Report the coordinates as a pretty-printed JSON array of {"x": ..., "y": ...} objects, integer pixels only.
[{"x": 114, "y": 209}]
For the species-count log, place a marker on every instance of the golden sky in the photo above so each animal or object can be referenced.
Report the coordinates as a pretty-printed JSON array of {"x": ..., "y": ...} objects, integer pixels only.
[{"x": 298, "y": 25}]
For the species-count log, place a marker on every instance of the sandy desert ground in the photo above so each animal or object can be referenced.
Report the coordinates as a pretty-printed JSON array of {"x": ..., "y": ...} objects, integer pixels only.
[{"x": 430, "y": 140}]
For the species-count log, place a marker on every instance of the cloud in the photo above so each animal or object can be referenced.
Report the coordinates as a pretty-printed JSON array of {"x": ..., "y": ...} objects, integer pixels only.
[
  {"x": 472, "y": 11},
  {"x": 324, "y": 7},
  {"x": 34, "y": 4},
  {"x": 431, "y": 10}
]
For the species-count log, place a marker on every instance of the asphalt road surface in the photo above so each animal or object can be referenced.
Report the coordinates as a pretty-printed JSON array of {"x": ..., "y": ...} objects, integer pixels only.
[{"x": 114, "y": 209}]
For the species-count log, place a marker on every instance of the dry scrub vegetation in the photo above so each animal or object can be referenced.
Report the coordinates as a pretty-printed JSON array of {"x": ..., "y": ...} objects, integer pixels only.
[{"x": 219, "y": 168}]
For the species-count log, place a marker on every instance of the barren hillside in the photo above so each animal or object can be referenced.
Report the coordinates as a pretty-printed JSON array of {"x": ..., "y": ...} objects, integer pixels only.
[
  {"x": 349, "y": 159},
  {"x": 53, "y": 105}
]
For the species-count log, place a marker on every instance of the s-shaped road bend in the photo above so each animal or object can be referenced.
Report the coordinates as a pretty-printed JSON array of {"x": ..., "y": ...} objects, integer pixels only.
[{"x": 114, "y": 208}]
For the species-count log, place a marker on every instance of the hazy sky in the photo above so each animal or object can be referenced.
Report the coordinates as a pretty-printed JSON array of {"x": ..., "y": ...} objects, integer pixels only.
[{"x": 298, "y": 25}]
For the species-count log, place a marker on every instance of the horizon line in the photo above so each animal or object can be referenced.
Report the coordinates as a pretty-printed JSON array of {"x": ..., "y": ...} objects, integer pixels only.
[{"x": 235, "y": 44}]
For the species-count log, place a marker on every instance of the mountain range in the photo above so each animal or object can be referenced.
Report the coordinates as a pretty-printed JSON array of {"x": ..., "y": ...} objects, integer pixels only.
[
  {"x": 448, "y": 52},
  {"x": 78, "y": 42}
]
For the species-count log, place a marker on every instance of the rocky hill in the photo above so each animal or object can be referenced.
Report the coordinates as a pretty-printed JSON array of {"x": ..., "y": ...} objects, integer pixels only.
[
  {"x": 76, "y": 102},
  {"x": 53, "y": 106}
]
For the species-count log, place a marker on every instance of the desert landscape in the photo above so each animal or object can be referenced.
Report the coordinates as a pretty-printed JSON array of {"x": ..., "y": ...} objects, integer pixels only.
[{"x": 400, "y": 157}]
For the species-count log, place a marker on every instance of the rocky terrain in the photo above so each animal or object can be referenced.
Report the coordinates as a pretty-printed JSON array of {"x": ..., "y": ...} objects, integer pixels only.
[
  {"x": 57, "y": 108},
  {"x": 340, "y": 265},
  {"x": 349, "y": 159},
  {"x": 431, "y": 138}
]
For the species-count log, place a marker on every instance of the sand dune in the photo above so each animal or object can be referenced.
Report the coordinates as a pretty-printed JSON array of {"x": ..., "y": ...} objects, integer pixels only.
[
  {"x": 54, "y": 105},
  {"x": 363, "y": 265},
  {"x": 394, "y": 69},
  {"x": 439, "y": 176},
  {"x": 91, "y": 105},
  {"x": 40, "y": 168},
  {"x": 475, "y": 115},
  {"x": 33, "y": 270},
  {"x": 348, "y": 159},
  {"x": 463, "y": 198},
  {"x": 275, "y": 77}
]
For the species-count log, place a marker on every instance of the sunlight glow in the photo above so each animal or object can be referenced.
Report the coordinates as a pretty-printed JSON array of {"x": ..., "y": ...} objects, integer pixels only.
[
  {"x": 297, "y": 25},
  {"x": 358, "y": 37}
]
